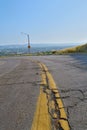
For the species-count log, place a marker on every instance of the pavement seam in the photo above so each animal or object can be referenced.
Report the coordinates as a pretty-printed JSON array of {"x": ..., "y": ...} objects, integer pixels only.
[
  {"x": 53, "y": 104},
  {"x": 60, "y": 120},
  {"x": 41, "y": 117}
]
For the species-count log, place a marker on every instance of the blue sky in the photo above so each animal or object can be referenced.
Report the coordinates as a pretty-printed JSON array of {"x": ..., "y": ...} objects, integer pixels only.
[{"x": 46, "y": 21}]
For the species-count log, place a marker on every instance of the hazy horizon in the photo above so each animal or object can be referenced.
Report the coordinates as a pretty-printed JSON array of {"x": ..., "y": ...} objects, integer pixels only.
[
  {"x": 35, "y": 48},
  {"x": 41, "y": 44}
]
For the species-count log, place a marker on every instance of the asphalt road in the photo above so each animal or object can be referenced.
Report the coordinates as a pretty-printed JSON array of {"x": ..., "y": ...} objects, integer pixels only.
[
  {"x": 19, "y": 90},
  {"x": 70, "y": 75}
]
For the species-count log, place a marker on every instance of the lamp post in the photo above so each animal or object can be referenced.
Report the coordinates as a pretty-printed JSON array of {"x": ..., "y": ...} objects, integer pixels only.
[{"x": 28, "y": 40}]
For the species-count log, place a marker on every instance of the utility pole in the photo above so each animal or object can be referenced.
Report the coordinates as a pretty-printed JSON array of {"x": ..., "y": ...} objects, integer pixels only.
[{"x": 28, "y": 40}]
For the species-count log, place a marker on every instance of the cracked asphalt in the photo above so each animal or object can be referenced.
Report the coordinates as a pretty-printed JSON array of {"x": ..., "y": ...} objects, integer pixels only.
[
  {"x": 19, "y": 90},
  {"x": 70, "y": 75}
]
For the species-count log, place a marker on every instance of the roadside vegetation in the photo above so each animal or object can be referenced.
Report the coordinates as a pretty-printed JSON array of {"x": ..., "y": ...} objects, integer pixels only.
[
  {"x": 77, "y": 49},
  {"x": 74, "y": 50}
]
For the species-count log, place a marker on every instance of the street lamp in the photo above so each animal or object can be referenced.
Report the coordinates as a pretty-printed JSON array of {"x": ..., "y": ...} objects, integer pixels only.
[{"x": 28, "y": 40}]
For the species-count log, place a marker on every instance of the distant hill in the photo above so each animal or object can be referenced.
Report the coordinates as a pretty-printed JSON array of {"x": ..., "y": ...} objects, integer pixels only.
[{"x": 77, "y": 49}]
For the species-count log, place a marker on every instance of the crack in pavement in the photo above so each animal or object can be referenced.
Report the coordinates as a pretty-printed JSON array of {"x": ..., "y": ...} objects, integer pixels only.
[
  {"x": 53, "y": 108},
  {"x": 82, "y": 93},
  {"x": 21, "y": 83},
  {"x": 76, "y": 96}
]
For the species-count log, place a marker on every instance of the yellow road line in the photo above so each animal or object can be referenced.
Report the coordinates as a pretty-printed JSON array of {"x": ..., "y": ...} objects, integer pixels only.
[
  {"x": 64, "y": 123},
  {"x": 42, "y": 118}
]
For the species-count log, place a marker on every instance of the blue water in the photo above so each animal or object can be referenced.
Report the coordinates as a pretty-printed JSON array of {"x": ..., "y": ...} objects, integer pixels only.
[{"x": 16, "y": 49}]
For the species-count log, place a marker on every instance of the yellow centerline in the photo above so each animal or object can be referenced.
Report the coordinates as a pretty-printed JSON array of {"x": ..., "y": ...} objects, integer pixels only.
[{"x": 42, "y": 118}]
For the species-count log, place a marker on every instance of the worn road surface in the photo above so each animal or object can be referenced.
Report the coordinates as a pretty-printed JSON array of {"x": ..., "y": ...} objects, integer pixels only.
[
  {"x": 70, "y": 75},
  {"x": 19, "y": 89}
]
